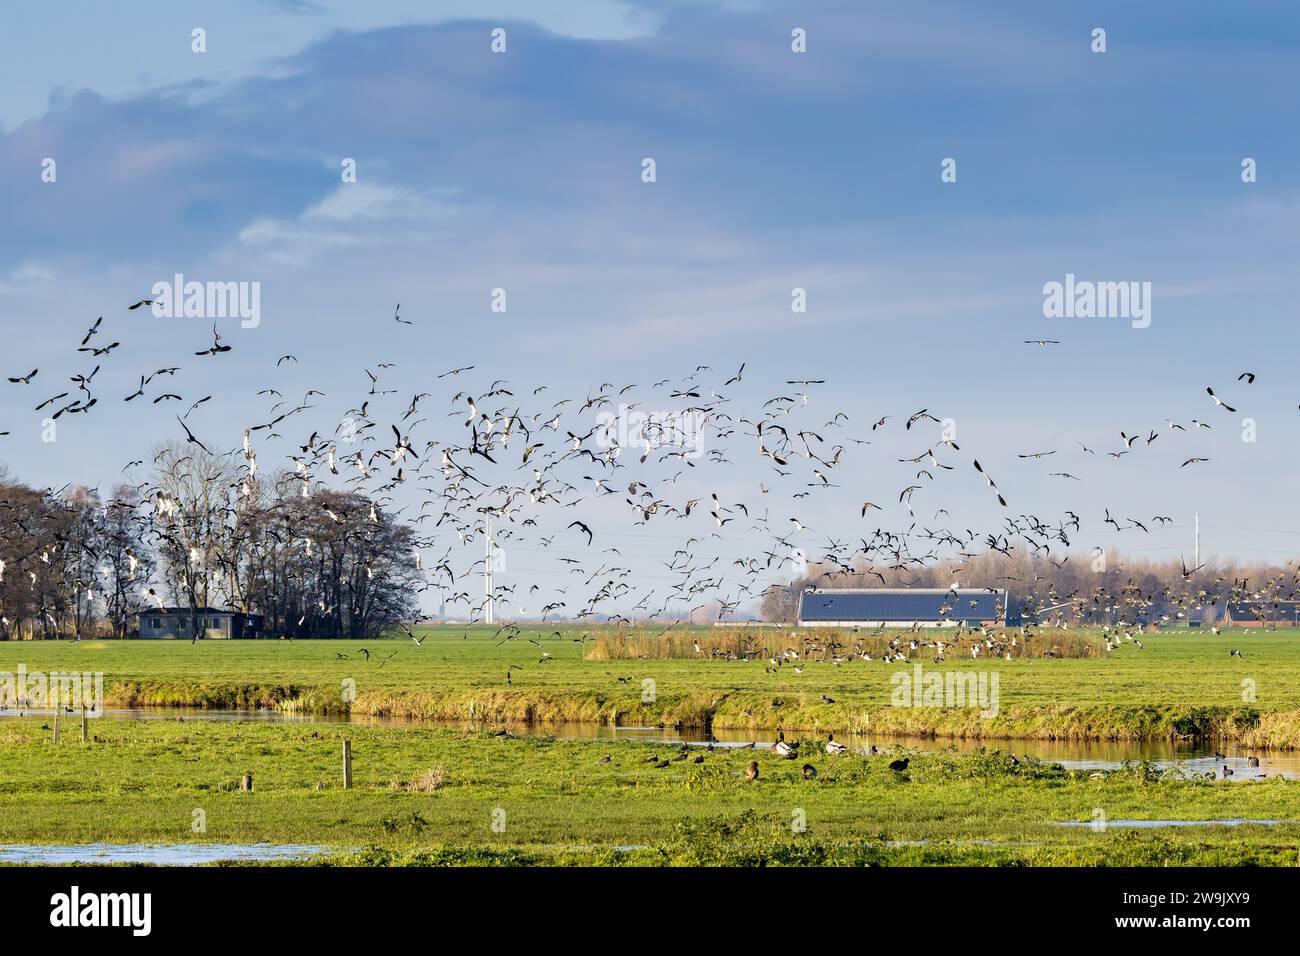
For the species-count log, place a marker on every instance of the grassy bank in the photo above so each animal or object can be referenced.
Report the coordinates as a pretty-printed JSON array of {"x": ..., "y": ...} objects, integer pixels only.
[
  {"x": 432, "y": 797},
  {"x": 1180, "y": 686}
]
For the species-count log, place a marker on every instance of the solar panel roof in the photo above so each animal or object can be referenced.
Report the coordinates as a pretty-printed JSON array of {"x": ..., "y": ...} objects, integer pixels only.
[{"x": 914, "y": 604}]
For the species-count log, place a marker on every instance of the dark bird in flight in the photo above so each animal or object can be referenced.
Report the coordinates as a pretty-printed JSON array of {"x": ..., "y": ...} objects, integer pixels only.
[
  {"x": 197, "y": 404},
  {"x": 189, "y": 436},
  {"x": 93, "y": 329},
  {"x": 217, "y": 347},
  {"x": 104, "y": 351}
]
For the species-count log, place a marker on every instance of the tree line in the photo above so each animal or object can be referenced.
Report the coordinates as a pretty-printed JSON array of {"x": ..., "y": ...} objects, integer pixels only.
[{"x": 202, "y": 533}]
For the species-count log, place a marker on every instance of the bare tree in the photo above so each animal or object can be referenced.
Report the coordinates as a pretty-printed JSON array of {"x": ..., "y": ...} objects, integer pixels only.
[{"x": 193, "y": 497}]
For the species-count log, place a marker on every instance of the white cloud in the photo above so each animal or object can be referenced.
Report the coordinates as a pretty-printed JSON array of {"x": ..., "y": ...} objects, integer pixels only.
[
  {"x": 26, "y": 279},
  {"x": 369, "y": 201},
  {"x": 355, "y": 214}
]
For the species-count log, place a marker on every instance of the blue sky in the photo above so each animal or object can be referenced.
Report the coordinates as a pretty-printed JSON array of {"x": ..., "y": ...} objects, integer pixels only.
[{"x": 775, "y": 170}]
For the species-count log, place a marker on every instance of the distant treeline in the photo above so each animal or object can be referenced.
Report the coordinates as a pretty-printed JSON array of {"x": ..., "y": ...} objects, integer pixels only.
[
  {"x": 201, "y": 534},
  {"x": 1082, "y": 589}
]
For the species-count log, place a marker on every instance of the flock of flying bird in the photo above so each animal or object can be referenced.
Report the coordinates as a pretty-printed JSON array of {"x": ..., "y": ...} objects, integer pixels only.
[{"x": 560, "y": 476}]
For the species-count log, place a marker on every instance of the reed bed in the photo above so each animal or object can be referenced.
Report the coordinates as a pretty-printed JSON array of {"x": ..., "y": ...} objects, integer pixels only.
[{"x": 826, "y": 644}]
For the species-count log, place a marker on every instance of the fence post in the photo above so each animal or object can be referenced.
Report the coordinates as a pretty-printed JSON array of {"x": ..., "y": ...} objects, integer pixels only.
[
  {"x": 85, "y": 725},
  {"x": 57, "y": 709},
  {"x": 347, "y": 765}
]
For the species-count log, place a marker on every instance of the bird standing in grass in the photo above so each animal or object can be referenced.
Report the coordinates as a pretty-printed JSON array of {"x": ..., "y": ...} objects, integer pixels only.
[{"x": 781, "y": 748}]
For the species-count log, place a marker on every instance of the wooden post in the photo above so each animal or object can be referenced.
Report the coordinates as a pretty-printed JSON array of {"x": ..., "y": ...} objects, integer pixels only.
[
  {"x": 85, "y": 725},
  {"x": 347, "y": 765},
  {"x": 57, "y": 710},
  {"x": 246, "y": 782}
]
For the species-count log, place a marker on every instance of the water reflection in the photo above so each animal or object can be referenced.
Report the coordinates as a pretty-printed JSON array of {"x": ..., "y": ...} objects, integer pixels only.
[
  {"x": 1146, "y": 824},
  {"x": 177, "y": 854},
  {"x": 1189, "y": 759}
]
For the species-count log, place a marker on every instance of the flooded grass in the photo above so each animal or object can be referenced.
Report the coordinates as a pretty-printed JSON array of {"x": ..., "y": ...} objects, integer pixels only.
[
  {"x": 154, "y": 854},
  {"x": 588, "y": 773},
  {"x": 428, "y": 795},
  {"x": 1152, "y": 824},
  {"x": 1191, "y": 760}
]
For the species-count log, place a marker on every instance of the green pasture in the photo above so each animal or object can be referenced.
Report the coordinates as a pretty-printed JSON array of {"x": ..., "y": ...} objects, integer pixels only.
[
  {"x": 433, "y": 796},
  {"x": 1180, "y": 684}
]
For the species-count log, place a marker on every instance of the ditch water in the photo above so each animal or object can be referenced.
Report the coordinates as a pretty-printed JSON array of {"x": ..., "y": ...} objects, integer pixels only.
[
  {"x": 175, "y": 854},
  {"x": 1147, "y": 824},
  {"x": 1100, "y": 755}
]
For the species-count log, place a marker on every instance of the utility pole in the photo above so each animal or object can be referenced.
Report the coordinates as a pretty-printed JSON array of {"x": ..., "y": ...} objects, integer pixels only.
[
  {"x": 1196, "y": 543},
  {"x": 488, "y": 616}
]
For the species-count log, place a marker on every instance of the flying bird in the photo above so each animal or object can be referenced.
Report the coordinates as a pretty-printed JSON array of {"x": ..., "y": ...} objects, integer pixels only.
[
  {"x": 217, "y": 348},
  {"x": 1218, "y": 401},
  {"x": 189, "y": 436}
]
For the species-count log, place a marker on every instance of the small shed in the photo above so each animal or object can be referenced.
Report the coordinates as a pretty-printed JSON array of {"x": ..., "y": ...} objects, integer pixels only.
[{"x": 214, "y": 624}]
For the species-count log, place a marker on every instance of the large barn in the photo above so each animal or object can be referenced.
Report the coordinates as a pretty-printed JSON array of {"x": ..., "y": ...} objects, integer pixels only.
[
  {"x": 901, "y": 607},
  {"x": 1264, "y": 613}
]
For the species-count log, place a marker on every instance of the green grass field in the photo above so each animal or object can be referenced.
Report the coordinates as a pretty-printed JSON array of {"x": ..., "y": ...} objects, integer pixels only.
[
  {"x": 429, "y": 796},
  {"x": 1180, "y": 684},
  {"x": 426, "y": 794}
]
